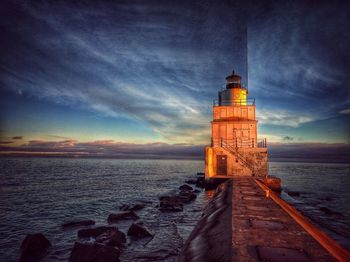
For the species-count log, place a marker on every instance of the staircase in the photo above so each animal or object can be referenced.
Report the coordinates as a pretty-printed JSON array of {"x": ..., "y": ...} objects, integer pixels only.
[{"x": 239, "y": 156}]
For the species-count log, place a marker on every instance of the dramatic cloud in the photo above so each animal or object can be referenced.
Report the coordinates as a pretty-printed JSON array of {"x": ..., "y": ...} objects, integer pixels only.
[
  {"x": 288, "y": 138},
  {"x": 160, "y": 64},
  {"x": 345, "y": 111},
  {"x": 17, "y": 137},
  {"x": 282, "y": 118}
]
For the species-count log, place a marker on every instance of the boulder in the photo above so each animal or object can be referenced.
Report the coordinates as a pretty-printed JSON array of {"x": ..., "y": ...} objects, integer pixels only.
[
  {"x": 34, "y": 247},
  {"x": 78, "y": 223},
  {"x": 137, "y": 207},
  {"x": 200, "y": 182},
  {"x": 112, "y": 237},
  {"x": 274, "y": 183},
  {"x": 94, "y": 232},
  {"x": 185, "y": 187},
  {"x": 187, "y": 196},
  {"x": 170, "y": 203},
  {"x": 139, "y": 230},
  {"x": 96, "y": 252},
  {"x": 122, "y": 215}
]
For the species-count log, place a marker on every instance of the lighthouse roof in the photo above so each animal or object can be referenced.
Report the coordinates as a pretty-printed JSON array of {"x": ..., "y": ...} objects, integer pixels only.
[{"x": 233, "y": 76}]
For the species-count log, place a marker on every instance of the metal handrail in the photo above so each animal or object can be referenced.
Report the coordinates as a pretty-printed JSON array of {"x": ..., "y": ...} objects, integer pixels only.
[
  {"x": 234, "y": 102},
  {"x": 240, "y": 142},
  {"x": 239, "y": 156}
]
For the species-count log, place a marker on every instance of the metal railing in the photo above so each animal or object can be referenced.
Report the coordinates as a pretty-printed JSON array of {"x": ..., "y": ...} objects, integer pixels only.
[
  {"x": 239, "y": 156},
  {"x": 239, "y": 143},
  {"x": 234, "y": 102}
]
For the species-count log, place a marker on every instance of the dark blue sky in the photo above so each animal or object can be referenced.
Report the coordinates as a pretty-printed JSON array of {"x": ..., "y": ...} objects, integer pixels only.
[{"x": 147, "y": 71}]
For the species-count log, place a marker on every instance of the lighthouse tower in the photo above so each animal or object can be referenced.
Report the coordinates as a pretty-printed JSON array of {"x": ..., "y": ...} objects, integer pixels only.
[{"x": 235, "y": 150}]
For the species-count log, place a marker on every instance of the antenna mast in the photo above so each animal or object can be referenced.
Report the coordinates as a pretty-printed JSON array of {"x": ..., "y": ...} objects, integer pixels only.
[{"x": 246, "y": 54}]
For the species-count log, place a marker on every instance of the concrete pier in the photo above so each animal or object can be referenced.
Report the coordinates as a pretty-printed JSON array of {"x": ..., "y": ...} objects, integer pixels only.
[
  {"x": 260, "y": 229},
  {"x": 263, "y": 231}
]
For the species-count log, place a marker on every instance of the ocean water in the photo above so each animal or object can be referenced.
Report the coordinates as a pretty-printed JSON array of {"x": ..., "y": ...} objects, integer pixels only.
[
  {"x": 323, "y": 194},
  {"x": 40, "y": 194}
]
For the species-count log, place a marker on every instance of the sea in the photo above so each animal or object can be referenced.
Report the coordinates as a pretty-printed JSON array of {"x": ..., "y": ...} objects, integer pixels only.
[{"x": 38, "y": 195}]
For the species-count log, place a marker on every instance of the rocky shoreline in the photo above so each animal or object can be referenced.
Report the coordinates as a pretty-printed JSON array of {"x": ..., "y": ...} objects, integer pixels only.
[{"x": 108, "y": 242}]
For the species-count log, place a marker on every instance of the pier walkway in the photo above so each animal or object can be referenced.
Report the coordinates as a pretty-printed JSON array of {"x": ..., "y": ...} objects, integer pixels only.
[
  {"x": 242, "y": 223},
  {"x": 263, "y": 231}
]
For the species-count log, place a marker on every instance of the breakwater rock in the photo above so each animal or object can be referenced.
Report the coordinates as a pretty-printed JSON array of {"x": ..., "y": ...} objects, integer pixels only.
[{"x": 211, "y": 238}]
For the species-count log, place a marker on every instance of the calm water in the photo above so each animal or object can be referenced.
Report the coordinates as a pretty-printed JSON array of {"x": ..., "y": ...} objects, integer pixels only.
[
  {"x": 39, "y": 194},
  {"x": 323, "y": 187}
]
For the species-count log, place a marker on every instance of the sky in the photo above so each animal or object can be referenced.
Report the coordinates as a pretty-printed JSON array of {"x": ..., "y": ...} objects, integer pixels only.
[{"x": 139, "y": 77}]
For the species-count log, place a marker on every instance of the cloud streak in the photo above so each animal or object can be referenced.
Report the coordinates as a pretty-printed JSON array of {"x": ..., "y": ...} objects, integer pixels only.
[{"x": 161, "y": 64}]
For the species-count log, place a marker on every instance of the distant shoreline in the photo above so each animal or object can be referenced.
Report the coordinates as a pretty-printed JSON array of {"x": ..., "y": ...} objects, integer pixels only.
[{"x": 150, "y": 157}]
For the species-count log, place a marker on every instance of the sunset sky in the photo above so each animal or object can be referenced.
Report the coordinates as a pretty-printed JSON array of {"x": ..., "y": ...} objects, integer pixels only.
[{"x": 94, "y": 77}]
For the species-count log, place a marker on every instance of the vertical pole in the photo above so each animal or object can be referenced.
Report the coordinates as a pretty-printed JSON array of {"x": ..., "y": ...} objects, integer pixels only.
[{"x": 246, "y": 55}]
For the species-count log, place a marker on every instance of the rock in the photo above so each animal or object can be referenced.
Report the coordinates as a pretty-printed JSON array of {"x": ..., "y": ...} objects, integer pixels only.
[
  {"x": 191, "y": 181},
  {"x": 112, "y": 237},
  {"x": 94, "y": 253},
  {"x": 139, "y": 230},
  {"x": 274, "y": 183},
  {"x": 124, "y": 207},
  {"x": 78, "y": 223},
  {"x": 187, "y": 196},
  {"x": 196, "y": 191},
  {"x": 34, "y": 247},
  {"x": 122, "y": 215},
  {"x": 200, "y": 182},
  {"x": 293, "y": 193},
  {"x": 185, "y": 187},
  {"x": 137, "y": 207},
  {"x": 94, "y": 232},
  {"x": 170, "y": 203}
]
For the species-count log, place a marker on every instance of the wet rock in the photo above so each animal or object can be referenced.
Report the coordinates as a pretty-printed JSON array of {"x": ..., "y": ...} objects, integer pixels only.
[
  {"x": 124, "y": 207},
  {"x": 123, "y": 215},
  {"x": 187, "y": 196},
  {"x": 94, "y": 253},
  {"x": 200, "y": 182},
  {"x": 170, "y": 203},
  {"x": 137, "y": 207},
  {"x": 34, "y": 247},
  {"x": 191, "y": 181},
  {"x": 293, "y": 193},
  {"x": 78, "y": 223},
  {"x": 112, "y": 237},
  {"x": 139, "y": 230},
  {"x": 94, "y": 232},
  {"x": 185, "y": 187}
]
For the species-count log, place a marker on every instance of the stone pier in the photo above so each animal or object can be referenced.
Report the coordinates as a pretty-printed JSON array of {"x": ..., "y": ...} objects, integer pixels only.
[
  {"x": 263, "y": 231},
  {"x": 241, "y": 223}
]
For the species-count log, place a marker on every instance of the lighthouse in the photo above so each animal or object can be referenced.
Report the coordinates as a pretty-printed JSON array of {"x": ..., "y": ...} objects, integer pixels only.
[{"x": 235, "y": 149}]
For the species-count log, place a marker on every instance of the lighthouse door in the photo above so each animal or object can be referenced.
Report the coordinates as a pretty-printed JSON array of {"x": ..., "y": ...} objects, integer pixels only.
[{"x": 221, "y": 165}]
